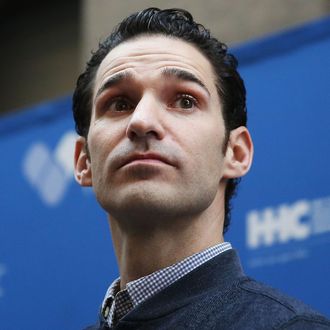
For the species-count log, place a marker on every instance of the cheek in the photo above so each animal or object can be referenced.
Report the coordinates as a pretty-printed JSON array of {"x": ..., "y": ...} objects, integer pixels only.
[
  {"x": 210, "y": 145},
  {"x": 103, "y": 136},
  {"x": 213, "y": 158},
  {"x": 208, "y": 135},
  {"x": 99, "y": 148},
  {"x": 204, "y": 159}
]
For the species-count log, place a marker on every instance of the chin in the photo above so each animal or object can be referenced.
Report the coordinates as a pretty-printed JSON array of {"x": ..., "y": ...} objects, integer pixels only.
[
  {"x": 143, "y": 203},
  {"x": 143, "y": 208}
]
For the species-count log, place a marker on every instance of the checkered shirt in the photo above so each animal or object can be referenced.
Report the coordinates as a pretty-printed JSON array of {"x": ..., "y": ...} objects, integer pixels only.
[{"x": 117, "y": 303}]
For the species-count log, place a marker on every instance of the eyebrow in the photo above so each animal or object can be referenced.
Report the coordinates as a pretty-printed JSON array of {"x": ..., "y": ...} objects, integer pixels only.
[
  {"x": 114, "y": 80},
  {"x": 167, "y": 73},
  {"x": 184, "y": 76}
]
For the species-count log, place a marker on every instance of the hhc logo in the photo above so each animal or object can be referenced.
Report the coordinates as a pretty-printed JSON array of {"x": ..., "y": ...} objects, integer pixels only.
[
  {"x": 50, "y": 172},
  {"x": 298, "y": 221}
]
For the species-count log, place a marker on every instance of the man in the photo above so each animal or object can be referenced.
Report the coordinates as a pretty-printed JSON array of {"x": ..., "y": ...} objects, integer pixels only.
[{"x": 160, "y": 111}]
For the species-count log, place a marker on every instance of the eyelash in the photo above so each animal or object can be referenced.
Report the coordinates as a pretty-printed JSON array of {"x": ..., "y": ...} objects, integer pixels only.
[
  {"x": 114, "y": 102},
  {"x": 189, "y": 97},
  {"x": 179, "y": 97}
]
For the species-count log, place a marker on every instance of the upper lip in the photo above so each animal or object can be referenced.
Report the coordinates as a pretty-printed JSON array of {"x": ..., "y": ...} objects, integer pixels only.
[{"x": 148, "y": 155}]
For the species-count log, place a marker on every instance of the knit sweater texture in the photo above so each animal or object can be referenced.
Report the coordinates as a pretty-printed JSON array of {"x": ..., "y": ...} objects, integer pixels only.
[{"x": 218, "y": 295}]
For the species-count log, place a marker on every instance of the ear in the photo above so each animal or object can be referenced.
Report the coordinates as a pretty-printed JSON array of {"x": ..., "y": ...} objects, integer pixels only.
[
  {"x": 82, "y": 165},
  {"x": 239, "y": 153}
]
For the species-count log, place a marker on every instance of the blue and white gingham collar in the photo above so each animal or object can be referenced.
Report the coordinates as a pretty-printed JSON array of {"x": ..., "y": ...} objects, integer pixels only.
[{"x": 143, "y": 288}]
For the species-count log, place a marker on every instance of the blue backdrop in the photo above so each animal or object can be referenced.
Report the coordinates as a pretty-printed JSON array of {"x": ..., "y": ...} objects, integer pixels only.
[{"x": 56, "y": 259}]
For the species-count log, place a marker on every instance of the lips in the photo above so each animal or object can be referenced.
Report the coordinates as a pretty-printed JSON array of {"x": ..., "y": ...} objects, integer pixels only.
[{"x": 145, "y": 156}]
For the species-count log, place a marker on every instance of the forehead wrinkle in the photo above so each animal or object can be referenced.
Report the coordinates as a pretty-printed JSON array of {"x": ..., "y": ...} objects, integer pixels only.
[
  {"x": 166, "y": 68},
  {"x": 152, "y": 54},
  {"x": 157, "y": 59}
]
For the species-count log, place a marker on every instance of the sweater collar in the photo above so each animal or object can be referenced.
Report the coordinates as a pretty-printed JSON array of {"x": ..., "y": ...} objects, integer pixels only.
[{"x": 216, "y": 274}]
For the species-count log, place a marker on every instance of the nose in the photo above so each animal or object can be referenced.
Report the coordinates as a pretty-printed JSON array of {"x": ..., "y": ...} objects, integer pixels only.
[{"x": 147, "y": 119}]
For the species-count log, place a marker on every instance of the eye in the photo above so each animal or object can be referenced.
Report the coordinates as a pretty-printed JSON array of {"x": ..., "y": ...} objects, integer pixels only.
[
  {"x": 185, "y": 101},
  {"x": 119, "y": 104}
]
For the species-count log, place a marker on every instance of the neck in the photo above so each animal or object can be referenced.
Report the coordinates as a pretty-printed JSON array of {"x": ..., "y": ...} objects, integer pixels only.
[{"x": 144, "y": 251}]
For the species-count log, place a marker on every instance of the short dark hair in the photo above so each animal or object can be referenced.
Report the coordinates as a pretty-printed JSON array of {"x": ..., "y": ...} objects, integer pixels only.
[{"x": 177, "y": 23}]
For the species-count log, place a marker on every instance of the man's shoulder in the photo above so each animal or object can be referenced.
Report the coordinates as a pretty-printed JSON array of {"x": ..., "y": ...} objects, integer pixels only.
[
  {"x": 261, "y": 306},
  {"x": 266, "y": 294},
  {"x": 245, "y": 304}
]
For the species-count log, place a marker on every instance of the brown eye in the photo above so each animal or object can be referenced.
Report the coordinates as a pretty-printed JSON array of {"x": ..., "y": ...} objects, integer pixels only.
[
  {"x": 185, "y": 102},
  {"x": 119, "y": 104}
]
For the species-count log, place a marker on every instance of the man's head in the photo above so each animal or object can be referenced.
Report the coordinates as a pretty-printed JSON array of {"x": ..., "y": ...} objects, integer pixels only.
[{"x": 179, "y": 25}]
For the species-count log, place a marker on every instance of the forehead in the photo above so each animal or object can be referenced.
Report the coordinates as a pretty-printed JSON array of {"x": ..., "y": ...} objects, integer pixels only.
[{"x": 149, "y": 55}]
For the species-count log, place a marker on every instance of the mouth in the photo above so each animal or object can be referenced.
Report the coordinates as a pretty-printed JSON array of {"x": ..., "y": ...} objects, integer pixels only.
[{"x": 145, "y": 158}]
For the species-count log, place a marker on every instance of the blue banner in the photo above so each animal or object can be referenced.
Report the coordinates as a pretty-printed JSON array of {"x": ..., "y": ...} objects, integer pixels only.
[{"x": 56, "y": 257}]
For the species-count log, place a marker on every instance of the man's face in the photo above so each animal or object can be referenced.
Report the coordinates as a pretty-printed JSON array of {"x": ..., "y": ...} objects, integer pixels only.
[{"x": 156, "y": 134}]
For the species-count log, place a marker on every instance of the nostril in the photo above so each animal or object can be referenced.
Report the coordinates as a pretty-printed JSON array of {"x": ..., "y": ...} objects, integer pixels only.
[
  {"x": 131, "y": 134},
  {"x": 139, "y": 133},
  {"x": 137, "y": 127},
  {"x": 141, "y": 126}
]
